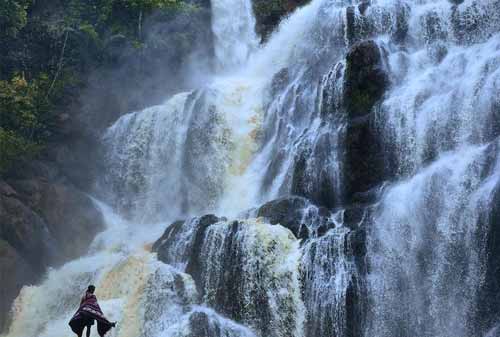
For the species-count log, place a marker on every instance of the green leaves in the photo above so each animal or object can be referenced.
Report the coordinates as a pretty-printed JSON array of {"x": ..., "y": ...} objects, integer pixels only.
[
  {"x": 13, "y": 17},
  {"x": 14, "y": 147},
  {"x": 24, "y": 118},
  {"x": 48, "y": 52}
]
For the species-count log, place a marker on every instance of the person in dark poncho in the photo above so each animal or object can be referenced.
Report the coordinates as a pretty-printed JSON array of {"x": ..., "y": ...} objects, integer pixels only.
[{"x": 88, "y": 312}]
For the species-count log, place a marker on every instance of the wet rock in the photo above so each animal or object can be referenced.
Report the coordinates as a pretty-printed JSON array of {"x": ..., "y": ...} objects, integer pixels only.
[
  {"x": 365, "y": 79},
  {"x": 366, "y": 163},
  {"x": 292, "y": 213},
  {"x": 434, "y": 28},
  {"x": 44, "y": 221},
  {"x": 314, "y": 174},
  {"x": 194, "y": 266},
  {"x": 363, "y": 6},
  {"x": 269, "y": 13},
  {"x": 365, "y": 82},
  {"x": 280, "y": 81},
  {"x": 233, "y": 265},
  {"x": 329, "y": 295},
  {"x": 242, "y": 279},
  {"x": 358, "y": 26},
  {"x": 354, "y": 215},
  {"x": 475, "y": 21},
  {"x": 68, "y": 213},
  {"x": 26, "y": 232},
  {"x": 166, "y": 245},
  {"x": 287, "y": 212},
  {"x": 488, "y": 309},
  {"x": 208, "y": 324},
  {"x": 200, "y": 326},
  {"x": 399, "y": 29},
  {"x": 15, "y": 272},
  {"x": 166, "y": 240}
]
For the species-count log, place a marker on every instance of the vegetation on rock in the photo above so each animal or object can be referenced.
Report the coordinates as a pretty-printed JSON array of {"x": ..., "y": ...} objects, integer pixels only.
[{"x": 50, "y": 49}]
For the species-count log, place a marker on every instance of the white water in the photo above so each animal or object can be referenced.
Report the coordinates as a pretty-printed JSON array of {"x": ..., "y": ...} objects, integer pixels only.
[
  {"x": 233, "y": 144},
  {"x": 234, "y": 34}
]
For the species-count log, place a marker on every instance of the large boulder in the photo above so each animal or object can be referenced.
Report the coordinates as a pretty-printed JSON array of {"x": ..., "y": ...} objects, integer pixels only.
[
  {"x": 206, "y": 323},
  {"x": 365, "y": 81},
  {"x": 68, "y": 213},
  {"x": 193, "y": 231},
  {"x": 269, "y": 13},
  {"x": 26, "y": 232},
  {"x": 298, "y": 214},
  {"x": 42, "y": 223},
  {"x": 239, "y": 269}
]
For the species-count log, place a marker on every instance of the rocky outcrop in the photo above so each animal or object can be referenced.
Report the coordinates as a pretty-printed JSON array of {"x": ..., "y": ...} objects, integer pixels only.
[
  {"x": 66, "y": 211},
  {"x": 365, "y": 82},
  {"x": 26, "y": 232},
  {"x": 297, "y": 214},
  {"x": 44, "y": 221},
  {"x": 238, "y": 268},
  {"x": 269, "y": 13},
  {"x": 205, "y": 323},
  {"x": 474, "y": 21},
  {"x": 168, "y": 251},
  {"x": 365, "y": 79}
]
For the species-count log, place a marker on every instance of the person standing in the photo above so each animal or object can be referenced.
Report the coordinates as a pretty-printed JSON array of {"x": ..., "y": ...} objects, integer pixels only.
[{"x": 88, "y": 313}]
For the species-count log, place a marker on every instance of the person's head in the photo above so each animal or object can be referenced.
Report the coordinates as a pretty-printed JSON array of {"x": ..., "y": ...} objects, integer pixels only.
[{"x": 91, "y": 289}]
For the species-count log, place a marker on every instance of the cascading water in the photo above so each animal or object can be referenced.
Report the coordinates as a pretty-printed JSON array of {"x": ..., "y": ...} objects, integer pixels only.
[{"x": 404, "y": 248}]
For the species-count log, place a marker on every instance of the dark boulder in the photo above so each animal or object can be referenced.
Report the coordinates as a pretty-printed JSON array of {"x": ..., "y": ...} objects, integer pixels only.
[
  {"x": 205, "y": 323},
  {"x": 365, "y": 79},
  {"x": 400, "y": 27},
  {"x": 68, "y": 213},
  {"x": 194, "y": 267},
  {"x": 358, "y": 27},
  {"x": 366, "y": 162},
  {"x": 166, "y": 240},
  {"x": 166, "y": 244},
  {"x": 297, "y": 214},
  {"x": 26, "y": 232},
  {"x": 200, "y": 326},
  {"x": 287, "y": 212},
  {"x": 269, "y": 13},
  {"x": 314, "y": 174}
]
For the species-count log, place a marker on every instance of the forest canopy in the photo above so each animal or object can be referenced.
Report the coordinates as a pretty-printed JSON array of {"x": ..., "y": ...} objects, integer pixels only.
[{"x": 48, "y": 50}]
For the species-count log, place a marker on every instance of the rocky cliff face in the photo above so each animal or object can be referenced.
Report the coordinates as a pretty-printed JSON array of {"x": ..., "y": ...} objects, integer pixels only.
[{"x": 44, "y": 221}]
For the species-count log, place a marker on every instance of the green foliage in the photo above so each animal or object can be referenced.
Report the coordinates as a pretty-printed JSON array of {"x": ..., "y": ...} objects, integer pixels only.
[
  {"x": 55, "y": 45},
  {"x": 25, "y": 118},
  {"x": 14, "y": 147},
  {"x": 13, "y": 16}
]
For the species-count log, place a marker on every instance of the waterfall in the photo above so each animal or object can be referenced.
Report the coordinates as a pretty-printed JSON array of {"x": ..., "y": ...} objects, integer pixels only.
[
  {"x": 352, "y": 166},
  {"x": 234, "y": 33}
]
